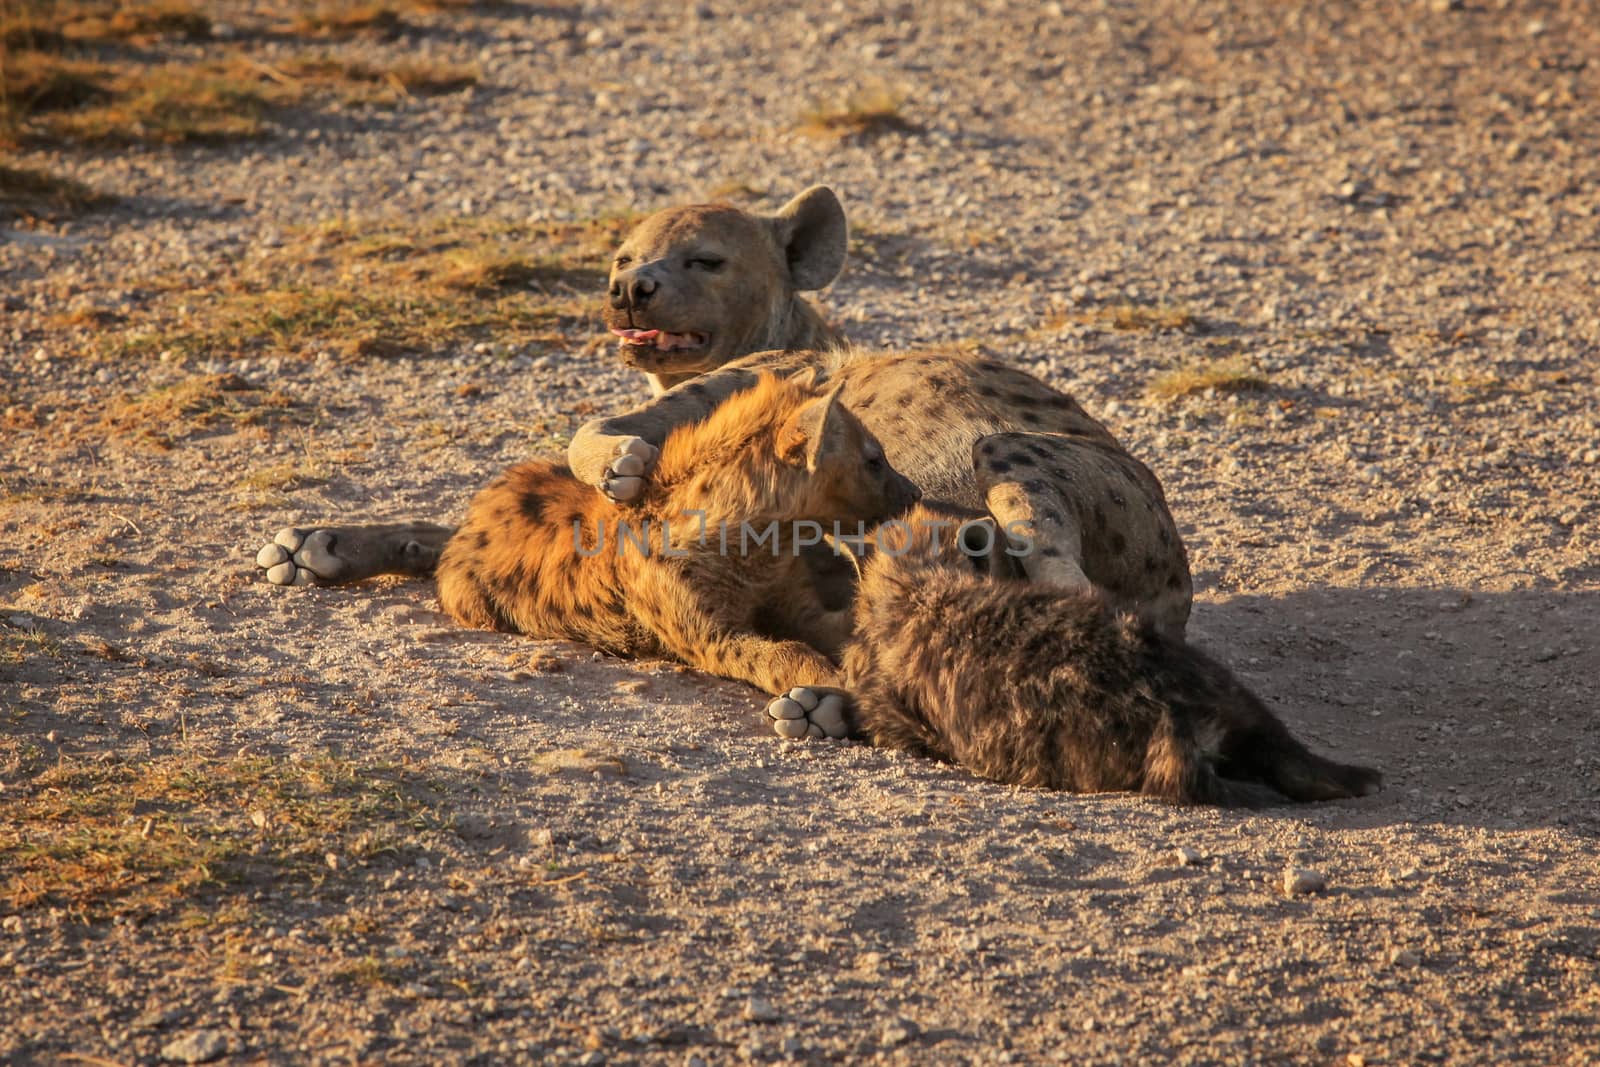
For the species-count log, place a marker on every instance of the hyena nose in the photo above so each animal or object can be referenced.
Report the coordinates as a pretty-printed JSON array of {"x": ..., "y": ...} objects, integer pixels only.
[{"x": 641, "y": 289}]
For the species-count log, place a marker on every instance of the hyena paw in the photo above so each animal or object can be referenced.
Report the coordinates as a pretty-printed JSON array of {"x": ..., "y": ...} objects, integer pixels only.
[
  {"x": 298, "y": 557},
  {"x": 624, "y": 479},
  {"x": 811, "y": 711},
  {"x": 336, "y": 555}
]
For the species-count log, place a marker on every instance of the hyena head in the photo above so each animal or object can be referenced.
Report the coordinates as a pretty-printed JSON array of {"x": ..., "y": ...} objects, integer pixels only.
[
  {"x": 835, "y": 468},
  {"x": 782, "y": 449},
  {"x": 693, "y": 287},
  {"x": 941, "y": 538}
]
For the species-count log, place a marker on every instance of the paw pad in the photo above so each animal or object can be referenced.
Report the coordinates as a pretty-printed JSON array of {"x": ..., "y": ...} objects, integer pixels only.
[
  {"x": 292, "y": 557},
  {"x": 804, "y": 713},
  {"x": 624, "y": 479}
]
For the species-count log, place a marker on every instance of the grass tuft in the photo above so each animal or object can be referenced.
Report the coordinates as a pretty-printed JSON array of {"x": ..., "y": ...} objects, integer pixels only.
[
  {"x": 369, "y": 289},
  {"x": 48, "y": 99},
  {"x": 137, "y": 839},
  {"x": 165, "y": 414},
  {"x": 336, "y": 20},
  {"x": 363, "y": 82},
  {"x": 1207, "y": 380},
  {"x": 861, "y": 113},
  {"x": 34, "y": 194}
]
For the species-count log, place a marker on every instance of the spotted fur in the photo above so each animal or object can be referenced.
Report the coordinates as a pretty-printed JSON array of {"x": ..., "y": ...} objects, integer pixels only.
[
  {"x": 971, "y": 432},
  {"x": 532, "y": 558}
]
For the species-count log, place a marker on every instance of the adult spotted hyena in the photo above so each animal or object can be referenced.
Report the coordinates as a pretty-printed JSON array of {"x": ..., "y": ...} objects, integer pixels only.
[{"x": 704, "y": 298}]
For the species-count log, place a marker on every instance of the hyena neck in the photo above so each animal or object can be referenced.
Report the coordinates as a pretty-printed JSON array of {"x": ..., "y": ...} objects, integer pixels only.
[
  {"x": 725, "y": 499},
  {"x": 793, "y": 324}
]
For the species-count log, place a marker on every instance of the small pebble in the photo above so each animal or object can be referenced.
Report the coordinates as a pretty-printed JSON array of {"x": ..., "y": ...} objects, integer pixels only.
[
  {"x": 760, "y": 1010},
  {"x": 201, "y": 1046},
  {"x": 1187, "y": 857},
  {"x": 1405, "y": 957},
  {"x": 1298, "y": 882},
  {"x": 898, "y": 1032}
]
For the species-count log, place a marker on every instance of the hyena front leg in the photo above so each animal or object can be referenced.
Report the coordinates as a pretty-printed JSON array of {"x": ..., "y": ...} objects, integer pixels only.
[
  {"x": 1097, "y": 517},
  {"x": 1030, "y": 503},
  {"x": 615, "y": 455}
]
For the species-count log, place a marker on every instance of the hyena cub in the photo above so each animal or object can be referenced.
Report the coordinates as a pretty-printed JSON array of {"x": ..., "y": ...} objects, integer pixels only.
[
  {"x": 702, "y": 567},
  {"x": 1051, "y": 687}
]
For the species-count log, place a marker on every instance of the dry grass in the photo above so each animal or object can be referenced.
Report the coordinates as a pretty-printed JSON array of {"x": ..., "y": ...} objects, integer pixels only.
[
  {"x": 340, "y": 20},
  {"x": 1208, "y": 380},
  {"x": 53, "y": 25},
  {"x": 34, "y": 194},
  {"x": 135, "y": 839},
  {"x": 164, "y": 415},
  {"x": 357, "y": 81},
  {"x": 364, "y": 289},
  {"x": 47, "y": 98},
  {"x": 861, "y": 113},
  {"x": 69, "y": 75},
  {"x": 1131, "y": 318},
  {"x": 579, "y": 761},
  {"x": 20, "y": 646}
]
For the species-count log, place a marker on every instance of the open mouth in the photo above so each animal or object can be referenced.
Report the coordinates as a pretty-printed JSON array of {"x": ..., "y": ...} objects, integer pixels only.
[{"x": 663, "y": 341}]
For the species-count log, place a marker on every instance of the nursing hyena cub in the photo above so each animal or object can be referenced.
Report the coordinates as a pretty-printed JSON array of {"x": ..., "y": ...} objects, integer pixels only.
[
  {"x": 700, "y": 568},
  {"x": 1056, "y": 688}
]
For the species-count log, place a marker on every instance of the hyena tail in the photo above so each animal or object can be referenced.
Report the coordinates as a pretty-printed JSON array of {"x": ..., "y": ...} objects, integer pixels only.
[
  {"x": 1258, "y": 746},
  {"x": 1179, "y": 771}
]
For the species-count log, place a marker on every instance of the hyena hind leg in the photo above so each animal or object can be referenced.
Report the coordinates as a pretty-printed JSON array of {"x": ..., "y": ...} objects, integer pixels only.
[
  {"x": 1178, "y": 771},
  {"x": 337, "y": 555}
]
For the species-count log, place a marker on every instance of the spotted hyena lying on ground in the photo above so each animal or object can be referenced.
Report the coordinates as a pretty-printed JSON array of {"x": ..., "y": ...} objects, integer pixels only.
[
  {"x": 700, "y": 566},
  {"x": 704, "y": 298},
  {"x": 1048, "y": 687}
]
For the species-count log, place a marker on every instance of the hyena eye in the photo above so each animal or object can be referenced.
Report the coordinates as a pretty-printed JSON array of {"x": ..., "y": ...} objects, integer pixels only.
[
  {"x": 875, "y": 464},
  {"x": 621, "y": 261},
  {"x": 706, "y": 263}
]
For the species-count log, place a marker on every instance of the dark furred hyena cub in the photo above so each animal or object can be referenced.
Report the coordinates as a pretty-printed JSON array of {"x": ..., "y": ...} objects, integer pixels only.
[{"x": 1049, "y": 687}]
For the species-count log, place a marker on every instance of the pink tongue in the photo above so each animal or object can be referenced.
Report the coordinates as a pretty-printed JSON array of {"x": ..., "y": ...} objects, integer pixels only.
[{"x": 636, "y": 336}]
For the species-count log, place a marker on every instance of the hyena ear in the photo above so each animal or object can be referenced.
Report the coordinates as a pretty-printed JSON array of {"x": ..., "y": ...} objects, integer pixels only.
[
  {"x": 857, "y": 552},
  {"x": 818, "y": 430},
  {"x": 812, "y": 234}
]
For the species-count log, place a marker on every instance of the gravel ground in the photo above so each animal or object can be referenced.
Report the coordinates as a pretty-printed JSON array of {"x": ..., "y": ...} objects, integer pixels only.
[{"x": 1390, "y": 213}]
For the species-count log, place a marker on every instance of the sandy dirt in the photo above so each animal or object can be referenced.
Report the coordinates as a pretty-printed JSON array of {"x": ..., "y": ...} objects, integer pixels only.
[{"x": 1388, "y": 214}]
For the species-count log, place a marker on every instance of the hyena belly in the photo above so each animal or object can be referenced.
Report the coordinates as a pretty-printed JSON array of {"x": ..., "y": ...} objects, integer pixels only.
[{"x": 1053, "y": 689}]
